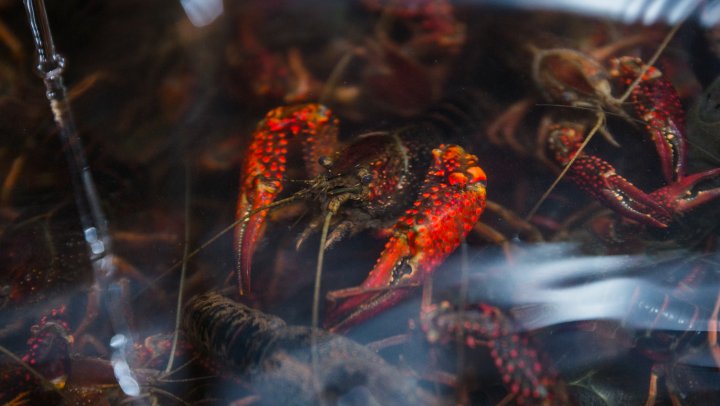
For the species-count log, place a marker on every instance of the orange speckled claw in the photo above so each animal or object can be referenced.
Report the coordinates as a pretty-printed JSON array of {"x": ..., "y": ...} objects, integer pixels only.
[
  {"x": 264, "y": 167},
  {"x": 450, "y": 202}
]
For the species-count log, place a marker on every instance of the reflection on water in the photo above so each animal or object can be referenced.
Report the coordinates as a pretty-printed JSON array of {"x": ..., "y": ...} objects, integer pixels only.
[
  {"x": 586, "y": 302},
  {"x": 627, "y": 11},
  {"x": 202, "y": 12}
]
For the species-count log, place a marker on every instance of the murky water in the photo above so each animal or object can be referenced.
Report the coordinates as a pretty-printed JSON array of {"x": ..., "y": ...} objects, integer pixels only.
[{"x": 606, "y": 295}]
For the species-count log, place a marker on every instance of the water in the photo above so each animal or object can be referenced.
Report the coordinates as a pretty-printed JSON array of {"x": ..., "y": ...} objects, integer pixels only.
[{"x": 165, "y": 98}]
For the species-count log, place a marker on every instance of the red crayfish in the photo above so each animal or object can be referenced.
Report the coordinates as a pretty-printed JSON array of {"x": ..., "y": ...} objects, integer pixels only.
[
  {"x": 528, "y": 378},
  {"x": 426, "y": 194},
  {"x": 657, "y": 105}
]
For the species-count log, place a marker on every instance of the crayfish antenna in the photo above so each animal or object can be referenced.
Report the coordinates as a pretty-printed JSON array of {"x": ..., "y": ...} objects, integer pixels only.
[
  {"x": 316, "y": 297},
  {"x": 183, "y": 270}
]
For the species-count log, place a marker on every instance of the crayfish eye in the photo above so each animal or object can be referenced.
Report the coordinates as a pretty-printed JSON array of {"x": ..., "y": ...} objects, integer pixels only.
[
  {"x": 325, "y": 161},
  {"x": 365, "y": 176}
]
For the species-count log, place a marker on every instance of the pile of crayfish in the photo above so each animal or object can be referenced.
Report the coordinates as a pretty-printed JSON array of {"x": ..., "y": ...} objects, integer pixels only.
[{"x": 371, "y": 202}]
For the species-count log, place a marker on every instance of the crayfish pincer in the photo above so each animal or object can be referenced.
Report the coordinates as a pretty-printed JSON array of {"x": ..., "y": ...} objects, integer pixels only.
[{"x": 276, "y": 359}]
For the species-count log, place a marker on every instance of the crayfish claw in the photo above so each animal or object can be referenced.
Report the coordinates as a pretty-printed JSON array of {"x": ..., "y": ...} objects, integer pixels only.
[
  {"x": 679, "y": 197},
  {"x": 450, "y": 202},
  {"x": 264, "y": 170},
  {"x": 657, "y": 103},
  {"x": 598, "y": 178}
]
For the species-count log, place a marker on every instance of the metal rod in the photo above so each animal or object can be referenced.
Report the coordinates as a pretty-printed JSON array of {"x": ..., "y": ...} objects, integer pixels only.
[{"x": 50, "y": 67}]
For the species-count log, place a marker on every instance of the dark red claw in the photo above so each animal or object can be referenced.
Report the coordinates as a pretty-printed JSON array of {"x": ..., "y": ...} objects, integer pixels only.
[
  {"x": 449, "y": 204},
  {"x": 657, "y": 103},
  {"x": 263, "y": 171},
  {"x": 677, "y": 197},
  {"x": 670, "y": 145},
  {"x": 599, "y": 179},
  {"x": 362, "y": 307}
]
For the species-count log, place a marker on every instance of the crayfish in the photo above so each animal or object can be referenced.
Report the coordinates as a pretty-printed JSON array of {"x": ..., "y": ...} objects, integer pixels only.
[
  {"x": 524, "y": 370},
  {"x": 657, "y": 105},
  {"x": 426, "y": 194}
]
